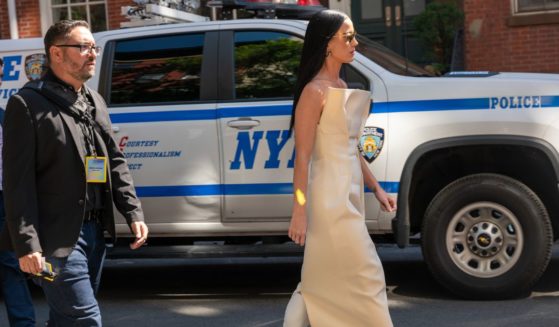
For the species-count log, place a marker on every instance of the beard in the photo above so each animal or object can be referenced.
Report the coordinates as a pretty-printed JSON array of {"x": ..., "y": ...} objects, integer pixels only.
[{"x": 81, "y": 72}]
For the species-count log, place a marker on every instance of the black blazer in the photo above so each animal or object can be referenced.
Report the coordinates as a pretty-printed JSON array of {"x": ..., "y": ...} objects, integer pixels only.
[{"x": 44, "y": 175}]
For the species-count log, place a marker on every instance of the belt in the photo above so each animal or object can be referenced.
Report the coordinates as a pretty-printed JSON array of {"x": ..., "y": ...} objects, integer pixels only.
[{"x": 92, "y": 215}]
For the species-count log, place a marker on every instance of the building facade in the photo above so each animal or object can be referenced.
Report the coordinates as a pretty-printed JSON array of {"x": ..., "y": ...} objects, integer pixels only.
[
  {"x": 499, "y": 35},
  {"x": 33, "y": 17},
  {"x": 512, "y": 35}
]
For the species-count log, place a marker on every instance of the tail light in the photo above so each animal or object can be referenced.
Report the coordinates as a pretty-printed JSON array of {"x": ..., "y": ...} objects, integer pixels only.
[{"x": 308, "y": 2}]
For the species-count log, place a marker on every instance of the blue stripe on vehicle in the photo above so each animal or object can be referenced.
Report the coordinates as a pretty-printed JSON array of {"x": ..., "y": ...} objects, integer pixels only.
[
  {"x": 550, "y": 101},
  {"x": 178, "y": 190},
  {"x": 179, "y": 115},
  {"x": 231, "y": 189},
  {"x": 390, "y": 187},
  {"x": 285, "y": 110},
  {"x": 433, "y": 105},
  {"x": 379, "y": 107},
  {"x": 258, "y": 189}
]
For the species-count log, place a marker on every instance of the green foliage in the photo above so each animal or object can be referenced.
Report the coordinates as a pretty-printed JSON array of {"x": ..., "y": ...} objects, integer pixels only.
[
  {"x": 267, "y": 69},
  {"x": 436, "y": 28}
]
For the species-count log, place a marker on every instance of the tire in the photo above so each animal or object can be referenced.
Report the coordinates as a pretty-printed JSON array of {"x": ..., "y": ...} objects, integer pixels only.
[{"x": 487, "y": 236}]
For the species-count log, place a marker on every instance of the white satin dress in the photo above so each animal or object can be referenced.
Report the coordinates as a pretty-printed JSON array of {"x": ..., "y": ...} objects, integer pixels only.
[{"x": 342, "y": 280}]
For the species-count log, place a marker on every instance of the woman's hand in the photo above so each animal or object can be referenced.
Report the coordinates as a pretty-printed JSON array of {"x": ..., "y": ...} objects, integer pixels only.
[
  {"x": 387, "y": 203},
  {"x": 298, "y": 228}
]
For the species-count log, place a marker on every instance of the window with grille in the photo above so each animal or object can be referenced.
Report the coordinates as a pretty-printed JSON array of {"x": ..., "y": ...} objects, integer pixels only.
[
  {"x": 528, "y": 6},
  {"x": 92, "y": 11}
]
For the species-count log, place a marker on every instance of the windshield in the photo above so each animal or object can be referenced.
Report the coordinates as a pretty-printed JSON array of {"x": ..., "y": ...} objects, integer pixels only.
[{"x": 389, "y": 59}]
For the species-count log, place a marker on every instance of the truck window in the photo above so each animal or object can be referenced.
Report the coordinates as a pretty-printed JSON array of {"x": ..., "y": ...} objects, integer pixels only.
[
  {"x": 157, "y": 70},
  {"x": 266, "y": 64},
  {"x": 388, "y": 59},
  {"x": 354, "y": 78}
]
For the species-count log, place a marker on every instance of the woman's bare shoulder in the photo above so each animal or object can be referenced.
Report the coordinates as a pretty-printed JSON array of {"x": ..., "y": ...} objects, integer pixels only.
[
  {"x": 312, "y": 99},
  {"x": 315, "y": 90}
]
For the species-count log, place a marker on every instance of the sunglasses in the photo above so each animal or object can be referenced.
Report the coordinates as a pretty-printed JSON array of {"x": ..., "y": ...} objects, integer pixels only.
[{"x": 348, "y": 37}]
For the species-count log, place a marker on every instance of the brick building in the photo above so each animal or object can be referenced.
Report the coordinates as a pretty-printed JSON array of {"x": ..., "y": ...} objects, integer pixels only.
[
  {"x": 499, "y": 35},
  {"x": 512, "y": 35},
  {"x": 35, "y": 16}
]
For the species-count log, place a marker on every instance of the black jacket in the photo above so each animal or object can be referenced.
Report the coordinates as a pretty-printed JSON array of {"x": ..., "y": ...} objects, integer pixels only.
[{"x": 44, "y": 172}]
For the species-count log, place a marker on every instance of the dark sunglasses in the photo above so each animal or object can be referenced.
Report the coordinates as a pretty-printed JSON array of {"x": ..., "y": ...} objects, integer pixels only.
[{"x": 348, "y": 37}]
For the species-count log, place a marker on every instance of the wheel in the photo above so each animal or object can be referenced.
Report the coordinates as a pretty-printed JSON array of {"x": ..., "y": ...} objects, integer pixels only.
[{"x": 487, "y": 236}]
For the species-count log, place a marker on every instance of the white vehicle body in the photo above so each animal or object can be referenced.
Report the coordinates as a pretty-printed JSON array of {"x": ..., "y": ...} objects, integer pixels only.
[{"x": 222, "y": 166}]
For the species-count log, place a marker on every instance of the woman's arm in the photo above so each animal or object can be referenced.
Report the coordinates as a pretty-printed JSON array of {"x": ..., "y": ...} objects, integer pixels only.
[
  {"x": 307, "y": 116},
  {"x": 387, "y": 203}
]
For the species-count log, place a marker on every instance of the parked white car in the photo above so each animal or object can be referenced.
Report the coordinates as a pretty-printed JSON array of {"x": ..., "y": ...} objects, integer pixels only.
[{"x": 202, "y": 112}]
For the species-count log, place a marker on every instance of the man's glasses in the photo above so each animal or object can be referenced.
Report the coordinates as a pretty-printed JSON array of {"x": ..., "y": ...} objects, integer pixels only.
[
  {"x": 348, "y": 37},
  {"x": 84, "y": 48}
]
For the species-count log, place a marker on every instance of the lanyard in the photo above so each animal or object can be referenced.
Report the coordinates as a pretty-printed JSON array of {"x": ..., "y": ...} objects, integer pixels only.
[
  {"x": 89, "y": 137},
  {"x": 86, "y": 123}
]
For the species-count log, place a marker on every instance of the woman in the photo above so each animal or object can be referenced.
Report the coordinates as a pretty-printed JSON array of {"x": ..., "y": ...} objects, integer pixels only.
[{"x": 342, "y": 280}]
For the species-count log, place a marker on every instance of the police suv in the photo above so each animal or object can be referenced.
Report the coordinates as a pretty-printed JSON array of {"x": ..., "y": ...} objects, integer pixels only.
[{"x": 202, "y": 112}]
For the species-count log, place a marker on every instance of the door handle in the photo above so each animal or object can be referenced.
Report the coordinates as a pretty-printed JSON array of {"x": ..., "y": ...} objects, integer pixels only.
[
  {"x": 398, "y": 15},
  {"x": 116, "y": 129},
  {"x": 243, "y": 123},
  {"x": 388, "y": 16}
]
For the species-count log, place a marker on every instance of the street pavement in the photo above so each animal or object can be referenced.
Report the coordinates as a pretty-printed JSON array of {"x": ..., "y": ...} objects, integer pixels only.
[{"x": 253, "y": 292}]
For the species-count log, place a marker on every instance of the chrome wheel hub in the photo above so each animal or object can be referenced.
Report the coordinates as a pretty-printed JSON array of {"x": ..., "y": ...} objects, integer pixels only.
[{"x": 484, "y": 239}]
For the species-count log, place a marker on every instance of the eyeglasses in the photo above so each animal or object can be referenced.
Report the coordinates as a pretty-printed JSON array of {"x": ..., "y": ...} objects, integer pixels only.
[
  {"x": 84, "y": 48},
  {"x": 348, "y": 37}
]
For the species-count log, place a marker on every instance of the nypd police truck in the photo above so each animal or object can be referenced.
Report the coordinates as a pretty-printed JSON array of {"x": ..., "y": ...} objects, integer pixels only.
[{"x": 202, "y": 112}]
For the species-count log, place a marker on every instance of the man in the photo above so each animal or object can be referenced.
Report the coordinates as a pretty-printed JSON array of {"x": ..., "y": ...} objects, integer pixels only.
[
  {"x": 17, "y": 299},
  {"x": 63, "y": 171}
]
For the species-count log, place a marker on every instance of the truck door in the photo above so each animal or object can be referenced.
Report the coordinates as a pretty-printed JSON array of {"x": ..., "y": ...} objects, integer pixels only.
[
  {"x": 361, "y": 74},
  {"x": 161, "y": 92},
  {"x": 257, "y": 74}
]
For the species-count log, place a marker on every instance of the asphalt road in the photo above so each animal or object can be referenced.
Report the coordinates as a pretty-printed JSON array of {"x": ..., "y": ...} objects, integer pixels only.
[{"x": 253, "y": 292}]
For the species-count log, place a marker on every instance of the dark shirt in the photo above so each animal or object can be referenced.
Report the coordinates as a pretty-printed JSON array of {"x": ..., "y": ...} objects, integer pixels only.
[{"x": 84, "y": 102}]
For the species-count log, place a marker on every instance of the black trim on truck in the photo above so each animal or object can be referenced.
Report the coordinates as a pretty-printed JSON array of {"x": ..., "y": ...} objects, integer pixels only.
[
  {"x": 401, "y": 223},
  {"x": 105, "y": 71},
  {"x": 210, "y": 72},
  {"x": 226, "y": 63}
]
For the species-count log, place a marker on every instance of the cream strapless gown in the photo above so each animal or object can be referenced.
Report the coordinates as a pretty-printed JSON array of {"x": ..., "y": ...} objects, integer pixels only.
[{"x": 342, "y": 280}]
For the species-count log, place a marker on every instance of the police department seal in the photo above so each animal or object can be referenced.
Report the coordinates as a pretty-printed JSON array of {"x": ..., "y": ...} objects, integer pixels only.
[
  {"x": 35, "y": 65},
  {"x": 371, "y": 142}
]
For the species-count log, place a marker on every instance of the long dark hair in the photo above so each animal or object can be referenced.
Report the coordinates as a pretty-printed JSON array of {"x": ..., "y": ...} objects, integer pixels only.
[{"x": 322, "y": 27}]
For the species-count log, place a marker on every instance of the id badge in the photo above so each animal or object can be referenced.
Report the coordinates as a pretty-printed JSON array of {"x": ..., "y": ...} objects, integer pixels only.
[
  {"x": 47, "y": 273},
  {"x": 96, "y": 169}
]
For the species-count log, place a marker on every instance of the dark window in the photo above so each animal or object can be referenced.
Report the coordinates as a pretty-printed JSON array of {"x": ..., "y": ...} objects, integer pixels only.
[
  {"x": 266, "y": 64},
  {"x": 537, "y": 5},
  {"x": 157, "y": 69},
  {"x": 389, "y": 59},
  {"x": 353, "y": 78}
]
